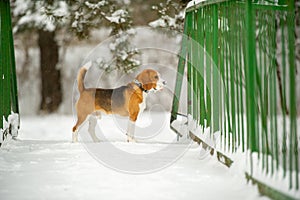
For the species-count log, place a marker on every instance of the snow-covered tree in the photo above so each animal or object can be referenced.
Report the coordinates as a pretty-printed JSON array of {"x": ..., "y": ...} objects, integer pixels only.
[
  {"x": 76, "y": 18},
  {"x": 30, "y": 16},
  {"x": 171, "y": 15}
]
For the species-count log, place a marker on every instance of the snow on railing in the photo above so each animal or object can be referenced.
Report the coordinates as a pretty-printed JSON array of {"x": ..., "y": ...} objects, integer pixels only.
[{"x": 194, "y": 2}]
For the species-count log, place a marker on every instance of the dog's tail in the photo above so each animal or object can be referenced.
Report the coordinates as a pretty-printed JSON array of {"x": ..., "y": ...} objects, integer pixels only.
[{"x": 81, "y": 75}]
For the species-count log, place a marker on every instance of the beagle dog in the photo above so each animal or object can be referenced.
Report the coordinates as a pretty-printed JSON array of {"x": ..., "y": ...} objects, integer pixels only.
[{"x": 127, "y": 100}]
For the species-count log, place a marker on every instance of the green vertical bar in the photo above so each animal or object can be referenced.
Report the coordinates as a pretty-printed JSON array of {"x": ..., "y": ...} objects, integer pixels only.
[
  {"x": 271, "y": 108},
  {"x": 238, "y": 78},
  {"x": 192, "y": 95},
  {"x": 273, "y": 54},
  {"x": 263, "y": 80},
  {"x": 266, "y": 96},
  {"x": 5, "y": 59},
  {"x": 236, "y": 85},
  {"x": 242, "y": 72},
  {"x": 293, "y": 108},
  {"x": 180, "y": 74},
  {"x": 271, "y": 87},
  {"x": 14, "y": 90},
  {"x": 250, "y": 77},
  {"x": 261, "y": 71},
  {"x": 194, "y": 65},
  {"x": 263, "y": 22},
  {"x": 240, "y": 75},
  {"x": 200, "y": 33},
  {"x": 283, "y": 47},
  {"x": 189, "y": 23},
  {"x": 221, "y": 66},
  {"x": 208, "y": 64},
  {"x": 1, "y": 66},
  {"x": 275, "y": 84},
  {"x": 215, "y": 73},
  {"x": 232, "y": 23},
  {"x": 226, "y": 80},
  {"x": 227, "y": 76},
  {"x": 275, "y": 125},
  {"x": 196, "y": 74},
  {"x": 250, "y": 80}
]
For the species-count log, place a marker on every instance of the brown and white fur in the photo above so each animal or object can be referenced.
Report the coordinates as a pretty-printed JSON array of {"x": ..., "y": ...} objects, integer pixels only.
[{"x": 128, "y": 100}]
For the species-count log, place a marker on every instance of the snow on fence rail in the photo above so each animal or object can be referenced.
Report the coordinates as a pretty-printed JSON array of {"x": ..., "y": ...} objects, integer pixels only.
[
  {"x": 241, "y": 72},
  {"x": 8, "y": 84}
]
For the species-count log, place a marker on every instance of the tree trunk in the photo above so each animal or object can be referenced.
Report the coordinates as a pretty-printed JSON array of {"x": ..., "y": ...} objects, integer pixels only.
[{"x": 51, "y": 89}]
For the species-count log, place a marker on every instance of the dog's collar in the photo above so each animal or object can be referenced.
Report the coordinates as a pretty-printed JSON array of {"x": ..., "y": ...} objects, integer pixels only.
[{"x": 140, "y": 85}]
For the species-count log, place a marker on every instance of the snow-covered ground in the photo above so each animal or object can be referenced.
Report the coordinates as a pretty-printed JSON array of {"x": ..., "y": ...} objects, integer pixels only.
[{"x": 43, "y": 164}]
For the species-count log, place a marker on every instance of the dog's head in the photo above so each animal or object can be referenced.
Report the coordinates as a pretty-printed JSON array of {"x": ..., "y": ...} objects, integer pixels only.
[{"x": 151, "y": 80}]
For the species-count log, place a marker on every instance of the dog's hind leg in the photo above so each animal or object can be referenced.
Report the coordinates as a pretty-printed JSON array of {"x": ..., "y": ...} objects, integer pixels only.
[{"x": 92, "y": 127}]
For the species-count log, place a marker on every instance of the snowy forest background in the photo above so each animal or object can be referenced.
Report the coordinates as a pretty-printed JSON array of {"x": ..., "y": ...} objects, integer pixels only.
[{"x": 53, "y": 38}]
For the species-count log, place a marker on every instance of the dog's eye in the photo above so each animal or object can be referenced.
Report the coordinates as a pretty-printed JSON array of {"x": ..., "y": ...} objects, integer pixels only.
[{"x": 156, "y": 77}]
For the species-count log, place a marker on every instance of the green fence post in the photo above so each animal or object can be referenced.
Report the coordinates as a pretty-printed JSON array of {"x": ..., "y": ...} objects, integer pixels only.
[
  {"x": 180, "y": 74},
  {"x": 8, "y": 82},
  {"x": 14, "y": 87},
  {"x": 293, "y": 108},
  {"x": 250, "y": 69},
  {"x": 216, "y": 73},
  {"x": 208, "y": 53},
  {"x": 1, "y": 67},
  {"x": 189, "y": 62},
  {"x": 5, "y": 59},
  {"x": 200, "y": 71},
  {"x": 194, "y": 66}
]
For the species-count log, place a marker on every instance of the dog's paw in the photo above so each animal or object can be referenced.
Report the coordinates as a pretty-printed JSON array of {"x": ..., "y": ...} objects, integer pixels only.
[
  {"x": 74, "y": 141},
  {"x": 96, "y": 140},
  {"x": 74, "y": 137}
]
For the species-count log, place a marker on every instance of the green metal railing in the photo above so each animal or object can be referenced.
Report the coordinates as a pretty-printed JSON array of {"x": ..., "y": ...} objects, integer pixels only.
[
  {"x": 8, "y": 82},
  {"x": 241, "y": 73}
]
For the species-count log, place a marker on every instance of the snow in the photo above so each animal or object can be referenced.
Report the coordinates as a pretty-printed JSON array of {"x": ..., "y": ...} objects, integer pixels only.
[
  {"x": 35, "y": 14},
  {"x": 21, "y": 6},
  {"x": 275, "y": 180},
  {"x": 194, "y": 2},
  {"x": 43, "y": 163},
  {"x": 95, "y": 5},
  {"x": 158, "y": 23},
  {"x": 13, "y": 120},
  {"x": 119, "y": 16},
  {"x": 123, "y": 38},
  {"x": 61, "y": 10},
  {"x": 12, "y": 125}
]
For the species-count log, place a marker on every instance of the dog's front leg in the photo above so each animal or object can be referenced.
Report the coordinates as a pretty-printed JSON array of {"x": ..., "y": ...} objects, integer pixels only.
[
  {"x": 92, "y": 127},
  {"x": 130, "y": 131}
]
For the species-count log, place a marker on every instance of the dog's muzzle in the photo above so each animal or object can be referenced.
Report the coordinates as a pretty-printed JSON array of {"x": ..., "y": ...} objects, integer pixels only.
[{"x": 160, "y": 84}]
